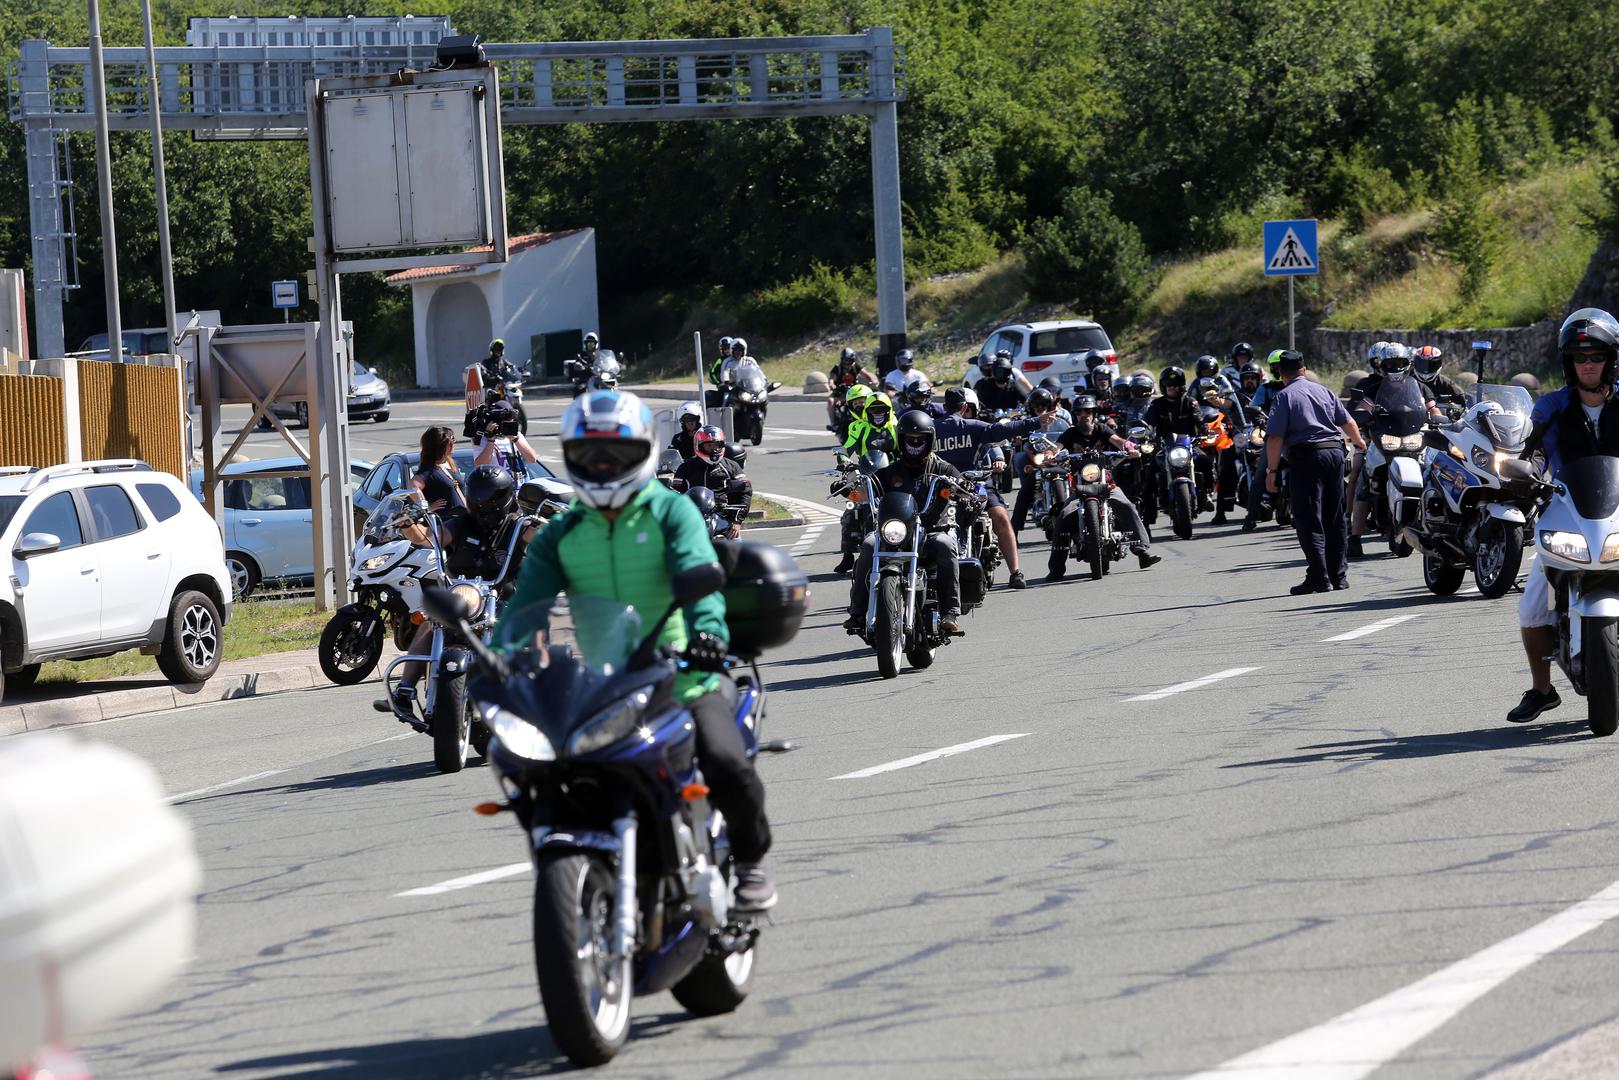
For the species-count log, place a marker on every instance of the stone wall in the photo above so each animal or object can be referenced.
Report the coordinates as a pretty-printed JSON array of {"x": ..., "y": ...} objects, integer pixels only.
[{"x": 1517, "y": 348}]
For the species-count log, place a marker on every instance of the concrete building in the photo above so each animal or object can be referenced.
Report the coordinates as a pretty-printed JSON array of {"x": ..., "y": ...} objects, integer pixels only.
[{"x": 541, "y": 301}]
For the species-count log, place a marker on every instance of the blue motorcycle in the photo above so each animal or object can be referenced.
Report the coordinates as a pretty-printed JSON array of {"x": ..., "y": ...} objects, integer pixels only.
[
  {"x": 597, "y": 762},
  {"x": 1180, "y": 484}
]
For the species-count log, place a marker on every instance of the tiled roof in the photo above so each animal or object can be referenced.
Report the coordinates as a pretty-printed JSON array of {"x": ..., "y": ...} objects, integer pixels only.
[{"x": 514, "y": 245}]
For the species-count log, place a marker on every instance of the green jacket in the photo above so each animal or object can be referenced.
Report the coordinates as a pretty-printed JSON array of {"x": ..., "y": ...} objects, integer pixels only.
[
  {"x": 630, "y": 560},
  {"x": 860, "y": 431}
]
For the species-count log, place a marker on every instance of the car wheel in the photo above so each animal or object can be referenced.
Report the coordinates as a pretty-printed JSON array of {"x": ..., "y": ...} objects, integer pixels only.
[
  {"x": 191, "y": 648},
  {"x": 244, "y": 574},
  {"x": 22, "y": 678},
  {"x": 302, "y": 411},
  {"x": 381, "y": 417}
]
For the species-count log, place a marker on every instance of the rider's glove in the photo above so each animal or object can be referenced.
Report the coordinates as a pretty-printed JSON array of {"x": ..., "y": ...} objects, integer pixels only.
[{"x": 705, "y": 652}]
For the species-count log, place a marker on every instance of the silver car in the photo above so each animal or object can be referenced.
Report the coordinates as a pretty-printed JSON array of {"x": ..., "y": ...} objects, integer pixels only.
[{"x": 369, "y": 399}]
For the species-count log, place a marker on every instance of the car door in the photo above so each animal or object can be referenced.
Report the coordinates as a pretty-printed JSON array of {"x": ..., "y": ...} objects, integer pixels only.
[
  {"x": 276, "y": 525},
  {"x": 133, "y": 559},
  {"x": 59, "y": 591}
]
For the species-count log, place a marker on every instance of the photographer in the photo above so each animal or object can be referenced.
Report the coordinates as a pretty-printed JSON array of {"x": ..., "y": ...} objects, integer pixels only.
[{"x": 493, "y": 429}]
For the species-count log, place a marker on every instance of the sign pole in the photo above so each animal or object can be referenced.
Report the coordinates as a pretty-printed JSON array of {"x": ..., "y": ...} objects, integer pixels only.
[
  {"x": 702, "y": 394},
  {"x": 1290, "y": 322}
]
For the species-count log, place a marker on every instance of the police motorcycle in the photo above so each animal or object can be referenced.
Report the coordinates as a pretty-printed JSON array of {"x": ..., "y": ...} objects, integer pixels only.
[
  {"x": 389, "y": 572},
  {"x": 451, "y": 719},
  {"x": 1471, "y": 517},
  {"x": 1392, "y": 470},
  {"x": 605, "y": 371},
  {"x": 1100, "y": 542},
  {"x": 596, "y": 762},
  {"x": 902, "y": 608},
  {"x": 746, "y": 392}
]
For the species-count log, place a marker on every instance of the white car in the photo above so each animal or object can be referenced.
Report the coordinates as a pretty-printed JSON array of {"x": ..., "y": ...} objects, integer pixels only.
[
  {"x": 105, "y": 556},
  {"x": 1045, "y": 349}
]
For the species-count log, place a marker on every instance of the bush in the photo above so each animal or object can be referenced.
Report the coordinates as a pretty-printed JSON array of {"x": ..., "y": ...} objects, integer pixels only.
[
  {"x": 1468, "y": 232},
  {"x": 1089, "y": 257},
  {"x": 1358, "y": 189},
  {"x": 803, "y": 304}
]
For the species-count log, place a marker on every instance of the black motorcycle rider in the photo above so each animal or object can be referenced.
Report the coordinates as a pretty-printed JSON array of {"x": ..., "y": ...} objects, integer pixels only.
[
  {"x": 710, "y": 467},
  {"x": 913, "y": 470},
  {"x": 577, "y": 368},
  {"x": 1040, "y": 402},
  {"x": 1250, "y": 379},
  {"x": 999, "y": 391},
  {"x": 1092, "y": 433}
]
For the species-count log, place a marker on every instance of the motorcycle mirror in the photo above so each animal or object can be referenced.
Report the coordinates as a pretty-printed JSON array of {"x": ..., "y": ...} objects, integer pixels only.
[
  {"x": 1516, "y": 469},
  {"x": 773, "y": 385},
  {"x": 696, "y": 582}
]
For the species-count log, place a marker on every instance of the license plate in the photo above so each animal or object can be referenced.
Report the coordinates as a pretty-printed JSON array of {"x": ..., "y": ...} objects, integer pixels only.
[{"x": 1071, "y": 377}]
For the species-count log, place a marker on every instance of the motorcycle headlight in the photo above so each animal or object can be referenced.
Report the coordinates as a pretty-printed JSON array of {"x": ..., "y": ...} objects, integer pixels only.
[
  {"x": 1610, "y": 548},
  {"x": 1486, "y": 461},
  {"x": 1389, "y": 442},
  {"x": 743, "y": 395},
  {"x": 1091, "y": 473},
  {"x": 611, "y": 724},
  {"x": 1412, "y": 442},
  {"x": 1240, "y": 440},
  {"x": 1180, "y": 457},
  {"x": 517, "y": 735},
  {"x": 894, "y": 531},
  {"x": 376, "y": 562},
  {"x": 1567, "y": 545},
  {"x": 471, "y": 597}
]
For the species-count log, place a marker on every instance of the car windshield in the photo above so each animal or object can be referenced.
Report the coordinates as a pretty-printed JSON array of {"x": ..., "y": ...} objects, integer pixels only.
[
  {"x": 1069, "y": 339},
  {"x": 8, "y": 509}
]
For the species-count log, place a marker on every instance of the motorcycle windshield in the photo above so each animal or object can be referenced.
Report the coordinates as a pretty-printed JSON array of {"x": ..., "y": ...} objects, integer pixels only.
[
  {"x": 1509, "y": 428},
  {"x": 748, "y": 376},
  {"x": 605, "y": 363},
  {"x": 1593, "y": 485},
  {"x": 874, "y": 461},
  {"x": 1401, "y": 396},
  {"x": 390, "y": 516},
  {"x": 604, "y": 631}
]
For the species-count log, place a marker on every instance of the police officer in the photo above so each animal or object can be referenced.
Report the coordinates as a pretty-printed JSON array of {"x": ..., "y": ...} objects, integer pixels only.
[{"x": 1309, "y": 424}]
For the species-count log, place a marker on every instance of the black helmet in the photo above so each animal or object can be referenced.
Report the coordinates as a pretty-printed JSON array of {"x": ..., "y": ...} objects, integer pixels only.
[
  {"x": 490, "y": 494},
  {"x": 1171, "y": 376},
  {"x": 847, "y": 355},
  {"x": 1240, "y": 352},
  {"x": 736, "y": 452},
  {"x": 1207, "y": 366},
  {"x": 1001, "y": 369},
  {"x": 1141, "y": 385},
  {"x": 919, "y": 393},
  {"x": 1083, "y": 402},
  {"x": 904, "y": 359},
  {"x": 915, "y": 435},
  {"x": 1251, "y": 369},
  {"x": 1052, "y": 383},
  {"x": 954, "y": 399},
  {"x": 1041, "y": 400},
  {"x": 1586, "y": 333},
  {"x": 707, "y": 504}
]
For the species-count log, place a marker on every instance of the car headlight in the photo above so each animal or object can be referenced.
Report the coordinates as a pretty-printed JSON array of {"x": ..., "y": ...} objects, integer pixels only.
[
  {"x": 517, "y": 735},
  {"x": 611, "y": 724},
  {"x": 1389, "y": 442},
  {"x": 1180, "y": 457},
  {"x": 1567, "y": 545},
  {"x": 894, "y": 531},
  {"x": 1412, "y": 442},
  {"x": 1091, "y": 473},
  {"x": 376, "y": 562},
  {"x": 471, "y": 598},
  {"x": 1610, "y": 548}
]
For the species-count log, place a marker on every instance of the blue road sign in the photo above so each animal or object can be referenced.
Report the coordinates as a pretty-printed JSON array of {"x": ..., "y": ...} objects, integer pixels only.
[
  {"x": 284, "y": 294},
  {"x": 1290, "y": 248}
]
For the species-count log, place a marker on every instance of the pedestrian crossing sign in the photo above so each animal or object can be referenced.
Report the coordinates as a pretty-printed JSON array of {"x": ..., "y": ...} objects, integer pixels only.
[{"x": 1290, "y": 248}]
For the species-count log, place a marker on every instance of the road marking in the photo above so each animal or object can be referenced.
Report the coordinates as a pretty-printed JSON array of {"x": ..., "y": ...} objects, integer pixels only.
[
  {"x": 1181, "y": 688},
  {"x": 1372, "y": 628},
  {"x": 807, "y": 541},
  {"x": 1365, "y": 1039},
  {"x": 822, "y": 434},
  {"x": 932, "y": 755},
  {"x": 483, "y": 877},
  {"x": 812, "y": 513},
  {"x": 184, "y": 795}
]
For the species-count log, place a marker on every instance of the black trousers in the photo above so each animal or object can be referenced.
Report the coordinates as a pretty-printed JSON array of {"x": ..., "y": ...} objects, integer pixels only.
[
  {"x": 938, "y": 551},
  {"x": 1071, "y": 525},
  {"x": 734, "y": 786},
  {"x": 1227, "y": 485},
  {"x": 1317, "y": 479}
]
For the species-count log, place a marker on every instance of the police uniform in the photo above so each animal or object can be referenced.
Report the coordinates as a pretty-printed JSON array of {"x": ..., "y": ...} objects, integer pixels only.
[{"x": 1308, "y": 418}]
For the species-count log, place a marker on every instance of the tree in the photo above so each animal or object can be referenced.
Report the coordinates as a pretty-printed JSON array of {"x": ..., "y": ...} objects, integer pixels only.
[
  {"x": 1089, "y": 257},
  {"x": 1468, "y": 231}
]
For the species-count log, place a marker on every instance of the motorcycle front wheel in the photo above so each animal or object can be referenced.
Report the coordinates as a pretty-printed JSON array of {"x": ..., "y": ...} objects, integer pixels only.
[
  {"x": 585, "y": 992},
  {"x": 347, "y": 652},
  {"x": 451, "y": 724},
  {"x": 1093, "y": 542},
  {"x": 1496, "y": 562},
  {"x": 1598, "y": 648},
  {"x": 1181, "y": 511},
  {"x": 888, "y": 637}
]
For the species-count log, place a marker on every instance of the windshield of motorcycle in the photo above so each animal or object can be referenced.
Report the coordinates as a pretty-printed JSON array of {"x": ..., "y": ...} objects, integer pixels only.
[
  {"x": 604, "y": 632},
  {"x": 1401, "y": 396},
  {"x": 389, "y": 518},
  {"x": 604, "y": 363},
  {"x": 1510, "y": 427},
  {"x": 1593, "y": 485},
  {"x": 873, "y": 461},
  {"x": 747, "y": 375}
]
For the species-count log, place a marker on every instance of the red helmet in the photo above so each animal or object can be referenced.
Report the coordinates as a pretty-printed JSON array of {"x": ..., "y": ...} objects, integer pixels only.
[{"x": 709, "y": 443}]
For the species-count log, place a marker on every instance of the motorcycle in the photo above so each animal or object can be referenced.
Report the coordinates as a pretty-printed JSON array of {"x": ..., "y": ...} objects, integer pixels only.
[
  {"x": 1100, "y": 544},
  {"x": 1251, "y": 465},
  {"x": 1470, "y": 516},
  {"x": 604, "y": 371},
  {"x": 510, "y": 388},
  {"x": 720, "y": 514},
  {"x": 1177, "y": 472},
  {"x": 1048, "y": 464},
  {"x": 974, "y": 534},
  {"x": 745, "y": 391},
  {"x": 596, "y": 762},
  {"x": 450, "y": 716},
  {"x": 1574, "y": 540},
  {"x": 1392, "y": 470},
  {"x": 389, "y": 572},
  {"x": 854, "y": 483},
  {"x": 1135, "y": 476},
  {"x": 902, "y": 609}
]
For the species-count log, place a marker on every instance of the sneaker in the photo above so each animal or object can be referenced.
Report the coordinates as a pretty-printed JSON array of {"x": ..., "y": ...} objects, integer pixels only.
[
  {"x": 845, "y": 564},
  {"x": 1147, "y": 558},
  {"x": 1533, "y": 704},
  {"x": 754, "y": 889},
  {"x": 1017, "y": 581},
  {"x": 1307, "y": 586},
  {"x": 1355, "y": 550}
]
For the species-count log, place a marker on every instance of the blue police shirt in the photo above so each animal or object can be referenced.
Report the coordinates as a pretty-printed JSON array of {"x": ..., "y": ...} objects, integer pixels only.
[
  {"x": 957, "y": 439},
  {"x": 1306, "y": 412}
]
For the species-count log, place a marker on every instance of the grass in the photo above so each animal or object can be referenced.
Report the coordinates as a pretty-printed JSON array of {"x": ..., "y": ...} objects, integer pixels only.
[
  {"x": 256, "y": 627},
  {"x": 770, "y": 510}
]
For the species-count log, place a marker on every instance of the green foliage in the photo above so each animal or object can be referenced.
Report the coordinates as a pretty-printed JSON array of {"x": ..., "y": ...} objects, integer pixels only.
[
  {"x": 802, "y": 304},
  {"x": 1357, "y": 189},
  {"x": 1090, "y": 257},
  {"x": 1468, "y": 231}
]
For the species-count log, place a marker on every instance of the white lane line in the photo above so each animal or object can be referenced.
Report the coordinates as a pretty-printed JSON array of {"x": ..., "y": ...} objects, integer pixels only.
[
  {"x": 184, "y": 795},
  {"x": 1181, "y": 688},
  {"x": 1372, "y": 628},
  {"x": 822, "y": 434},
  {"x": 932, "y": 755},
  {"x": 812, "y": 513},
  {"x": 483, "y": 877},
  {"x": 805, "y": 542},
  {"x": 1365, "y": 1039}
]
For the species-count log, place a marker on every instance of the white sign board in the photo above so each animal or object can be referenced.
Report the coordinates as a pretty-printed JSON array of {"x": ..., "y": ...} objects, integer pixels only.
[{"x": 283, "y": 294}]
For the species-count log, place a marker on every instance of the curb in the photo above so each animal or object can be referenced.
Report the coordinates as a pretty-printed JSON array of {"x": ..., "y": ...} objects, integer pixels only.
[{"x": 138, "y": 701}]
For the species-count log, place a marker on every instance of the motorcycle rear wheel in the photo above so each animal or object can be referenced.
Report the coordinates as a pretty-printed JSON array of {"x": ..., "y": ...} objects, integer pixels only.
[
  {"x": 1494, "y": 573},
  {"x": 718, "y": 984},
  {"x": 347, "y": 655},
  {"x": 451, "y": 724},
  {"x": 1181, "y": 511},
  {"x": 586, "y": 995},
  {"x": 1600, "y": 651},
  {"x": 1441, "y": 577},
  {"x": 889, "y": 633},
  {"x": 1093, "y": 542}
]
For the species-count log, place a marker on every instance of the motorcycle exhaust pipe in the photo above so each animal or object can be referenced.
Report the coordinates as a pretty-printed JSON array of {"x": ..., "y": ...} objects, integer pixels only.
[
  {"x": 624, "y": 894},
  {"x": 1438, "y": 550}
]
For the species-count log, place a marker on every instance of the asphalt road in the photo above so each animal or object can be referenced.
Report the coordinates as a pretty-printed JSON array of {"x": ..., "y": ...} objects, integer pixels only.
[{"x": 1343, "y": 846}]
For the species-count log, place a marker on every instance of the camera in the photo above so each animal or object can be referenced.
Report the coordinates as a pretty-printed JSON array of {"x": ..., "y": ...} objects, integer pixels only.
[{"x": 479, "y": 419}]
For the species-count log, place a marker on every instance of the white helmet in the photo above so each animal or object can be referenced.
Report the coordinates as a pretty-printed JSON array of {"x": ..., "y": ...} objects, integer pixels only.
[
  {"x": 1375, "y": 353},
  {"x": 739, "y": 343},
  {"x": 688, "y": 408},
  {"x": 725, "y": 344},
  {"x": 607, "y": 448}
]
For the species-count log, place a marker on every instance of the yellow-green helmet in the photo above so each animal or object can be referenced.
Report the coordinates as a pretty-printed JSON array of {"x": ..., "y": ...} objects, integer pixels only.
[
  {"x": 856, "y": 397},
  {"x": 1274, "y": 358},
  {"x": 874, "y": 400}
]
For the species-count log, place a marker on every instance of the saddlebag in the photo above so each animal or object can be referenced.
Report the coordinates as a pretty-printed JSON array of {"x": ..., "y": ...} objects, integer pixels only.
[
  {"x": 766, "y": 595},
  {"x": 972, "y": 582}
]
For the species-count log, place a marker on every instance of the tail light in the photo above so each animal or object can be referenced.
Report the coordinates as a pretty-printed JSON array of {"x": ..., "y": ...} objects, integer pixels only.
[{"x": 1036, "y": 365}]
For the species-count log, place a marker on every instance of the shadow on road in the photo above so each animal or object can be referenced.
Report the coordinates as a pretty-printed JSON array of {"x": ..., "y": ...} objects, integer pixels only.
[
  {"x": 493, "y": 1055},
  {"x": 843, "y": 678},
  {"x": 387, "y": 774},
  {"x": 1423, "y": 599},
  {"x": 824, "y": 658},
  {"x": 1437, "y": 744}
]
